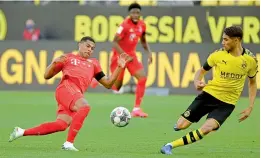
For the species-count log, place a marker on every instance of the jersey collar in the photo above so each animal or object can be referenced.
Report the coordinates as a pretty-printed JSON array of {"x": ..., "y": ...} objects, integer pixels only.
[
  {"x": 81, "y": 58},
  {"x": 130, "y": 21},
  {"x": 244, "y": 51}
]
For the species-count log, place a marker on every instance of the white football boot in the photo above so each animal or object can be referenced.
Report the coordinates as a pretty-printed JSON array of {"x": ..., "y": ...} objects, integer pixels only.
[
  {"x": 69, "y": 146},
  {"x": 17, "y": 133}
]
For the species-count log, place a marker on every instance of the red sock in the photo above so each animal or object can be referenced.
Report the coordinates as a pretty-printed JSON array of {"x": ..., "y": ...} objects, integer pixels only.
[
  {"x": 77, "y": 122},
  {"x": 140, "y": 91},
  {"x": 47, "y": 128},
  {"x": 114, "y": 88}
]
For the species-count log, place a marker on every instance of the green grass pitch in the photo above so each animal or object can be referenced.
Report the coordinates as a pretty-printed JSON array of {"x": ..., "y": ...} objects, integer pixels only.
[{"x": 140, "y": 139}]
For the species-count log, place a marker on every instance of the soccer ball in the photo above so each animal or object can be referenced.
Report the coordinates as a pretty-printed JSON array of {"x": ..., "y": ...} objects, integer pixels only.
[{"x": 120, "y": 116}]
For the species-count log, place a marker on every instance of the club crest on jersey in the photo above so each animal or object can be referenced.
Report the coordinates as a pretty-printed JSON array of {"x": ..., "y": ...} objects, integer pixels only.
[
  {"x": 132, "y": 36},
  {"x": 244, "y": 64}
]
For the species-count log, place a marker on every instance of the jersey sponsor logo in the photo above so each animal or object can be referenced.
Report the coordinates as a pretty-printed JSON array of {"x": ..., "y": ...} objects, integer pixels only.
[
  {"x": 75, "y": 62},
  {"x": 228, "y": 75}
]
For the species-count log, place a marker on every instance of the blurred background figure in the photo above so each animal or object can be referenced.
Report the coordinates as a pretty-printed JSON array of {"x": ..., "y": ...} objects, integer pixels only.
[{"x": 30, "y": 32}]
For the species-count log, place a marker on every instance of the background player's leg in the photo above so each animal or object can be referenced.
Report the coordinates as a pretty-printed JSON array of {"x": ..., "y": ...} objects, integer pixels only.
[
  {"x": 82, "y": 108},
  {"x": 140, "y": 90},
  {"x": 118, "y": 83}
]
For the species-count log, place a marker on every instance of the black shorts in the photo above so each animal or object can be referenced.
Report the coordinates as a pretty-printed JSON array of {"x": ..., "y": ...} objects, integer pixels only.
[{"x": 204, "y": 104}]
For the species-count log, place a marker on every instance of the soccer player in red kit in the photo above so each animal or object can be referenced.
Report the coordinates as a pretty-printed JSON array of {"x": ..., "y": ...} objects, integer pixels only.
[
  {"x": 125, "y": 41},
  {"x": 78, "y": 72}
]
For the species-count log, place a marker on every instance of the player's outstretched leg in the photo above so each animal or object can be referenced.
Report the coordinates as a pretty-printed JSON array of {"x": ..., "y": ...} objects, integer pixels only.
[
  {"x": 42, "y": 129},
  {"x": 140, "y": 90},
  {"x": 191, "y": 137},
  {"x": 82, "y": 109}
]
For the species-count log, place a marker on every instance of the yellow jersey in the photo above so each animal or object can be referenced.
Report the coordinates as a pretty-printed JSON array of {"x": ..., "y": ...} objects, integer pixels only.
[{"x": 229, "y": 74}]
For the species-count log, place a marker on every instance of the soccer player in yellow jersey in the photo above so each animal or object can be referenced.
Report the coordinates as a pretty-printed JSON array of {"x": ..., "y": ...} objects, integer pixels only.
[{"x": 233, "y": 64}]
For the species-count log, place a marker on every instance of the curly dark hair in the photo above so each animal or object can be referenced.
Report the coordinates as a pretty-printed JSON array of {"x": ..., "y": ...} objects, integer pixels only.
[
  {"x": 234, "y": 31},
  {"x": 134, "y": 5}
]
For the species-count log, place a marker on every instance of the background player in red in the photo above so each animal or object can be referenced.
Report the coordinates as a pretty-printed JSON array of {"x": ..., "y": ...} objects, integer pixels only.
[
  {"x": 125, "y": 41},
  {"x": 78, "y": 72}
]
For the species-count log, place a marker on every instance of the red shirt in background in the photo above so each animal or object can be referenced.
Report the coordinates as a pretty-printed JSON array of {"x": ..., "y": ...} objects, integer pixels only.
[
  {"x": 31, "y": 36},
  {"x": 130, "y": 34}
]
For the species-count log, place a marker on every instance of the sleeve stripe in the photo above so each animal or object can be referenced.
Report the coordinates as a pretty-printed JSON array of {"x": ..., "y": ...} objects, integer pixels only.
[
  {"x": 99, "y": 75},
  {"x": 206, "y": 66}
]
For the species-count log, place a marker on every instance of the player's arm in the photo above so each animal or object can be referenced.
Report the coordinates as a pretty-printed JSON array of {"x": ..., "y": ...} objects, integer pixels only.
[
  {"x": 107, "y": 82},
  {"x": 252, "y": 85},
  {"x": 117, "y": 38},
  {"x": 202, "y": 72},
  {"x": 146, "y": 47},
  {"x": 252, "y": 89},
  {"x": 55, "y": 67}
]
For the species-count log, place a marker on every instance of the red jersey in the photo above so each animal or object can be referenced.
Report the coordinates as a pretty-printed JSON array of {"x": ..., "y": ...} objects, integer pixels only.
[
  {"x": 130, "y": 34},
  {"x": 78, "y": 72},
  {"x": 31, "y": 36}
]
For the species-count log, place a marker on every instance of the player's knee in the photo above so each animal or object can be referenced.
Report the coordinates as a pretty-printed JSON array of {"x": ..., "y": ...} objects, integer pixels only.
[
  {"x": 142, "y": 81},
  {"x": 85, "y": 106},
  {"x": 62, "y": 124},
  {"x": 80, "y": 103},
  {"x": 181, "y": 126}
]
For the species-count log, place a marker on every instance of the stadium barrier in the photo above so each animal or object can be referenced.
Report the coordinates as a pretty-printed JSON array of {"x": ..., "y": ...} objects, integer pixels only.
[
  {"x": 22, "y": 64},
  {"x": 166, "y": 25}
]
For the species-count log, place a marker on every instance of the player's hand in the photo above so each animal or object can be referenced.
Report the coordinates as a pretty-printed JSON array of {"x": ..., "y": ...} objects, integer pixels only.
[
  {"x": 245, "y": 114},
  {"x": 150, "y": 59},
  {"x": 123, "y": 59},
  {"x": 199, "y": 85}
]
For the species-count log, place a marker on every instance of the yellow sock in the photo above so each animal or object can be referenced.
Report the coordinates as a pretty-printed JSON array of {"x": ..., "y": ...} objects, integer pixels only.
[{"x": 191, "y": 137}]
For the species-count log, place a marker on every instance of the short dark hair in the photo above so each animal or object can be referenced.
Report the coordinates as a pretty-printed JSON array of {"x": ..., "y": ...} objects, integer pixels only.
[
  {"x": 234, "y": 31},
  {"x": 134, "y": 5},
  {"x": 87, "y": 38}
]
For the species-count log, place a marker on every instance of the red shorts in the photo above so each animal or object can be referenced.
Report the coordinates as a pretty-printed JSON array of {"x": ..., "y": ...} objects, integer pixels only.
[
  {"x": 133, "y": 66},
  {"x": 66, "y": 96}
]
